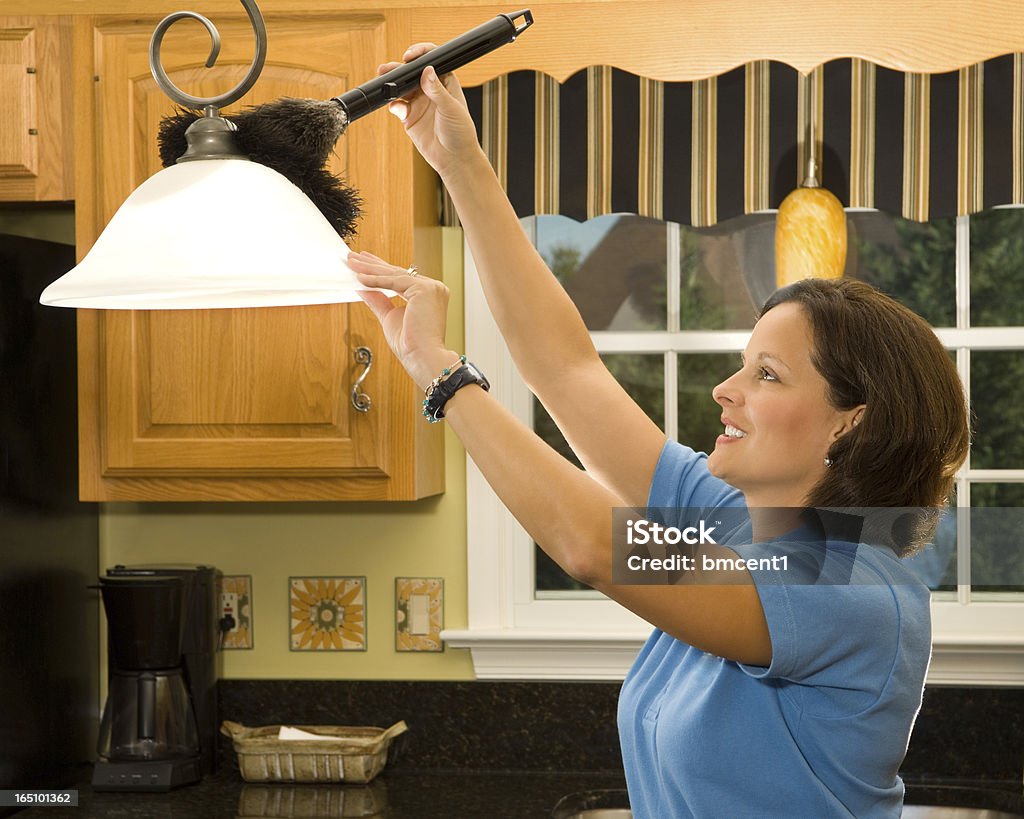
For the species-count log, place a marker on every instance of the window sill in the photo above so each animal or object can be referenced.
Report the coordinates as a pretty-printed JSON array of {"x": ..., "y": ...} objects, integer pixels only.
[{"x": 506, "y": 654}]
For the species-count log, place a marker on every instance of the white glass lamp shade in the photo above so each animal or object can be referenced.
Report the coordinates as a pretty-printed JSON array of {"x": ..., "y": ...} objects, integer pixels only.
[{"x": 211, "y": 233}]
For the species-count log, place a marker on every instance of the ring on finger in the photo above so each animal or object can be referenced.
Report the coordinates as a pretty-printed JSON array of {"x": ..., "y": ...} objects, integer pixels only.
[{"x": 412, "y": 270}]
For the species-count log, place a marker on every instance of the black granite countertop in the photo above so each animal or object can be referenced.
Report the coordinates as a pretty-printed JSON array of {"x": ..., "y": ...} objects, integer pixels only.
[
  {"x": 469, "y": 746},
  {"x": 424, "y": 794},
  {"x": 395, "y": 794}
]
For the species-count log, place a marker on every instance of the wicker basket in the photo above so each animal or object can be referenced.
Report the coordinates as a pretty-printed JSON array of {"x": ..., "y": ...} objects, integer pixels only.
[{"x": 357, "y": 755}]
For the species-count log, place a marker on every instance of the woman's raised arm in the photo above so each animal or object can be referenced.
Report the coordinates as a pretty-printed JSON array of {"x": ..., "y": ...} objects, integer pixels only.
[
  {"x": 565, "y": 510},
  {"x": 549, "y": 342}
]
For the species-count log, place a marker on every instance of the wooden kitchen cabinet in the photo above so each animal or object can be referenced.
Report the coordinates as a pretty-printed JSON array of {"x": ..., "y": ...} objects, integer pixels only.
[
  {"x": 249, "y": 404},
  {"x": 36, "y": 151}
]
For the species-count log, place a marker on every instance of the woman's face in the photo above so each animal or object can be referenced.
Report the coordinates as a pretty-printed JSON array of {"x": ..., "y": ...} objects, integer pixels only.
[{"x": 778, "y": 422}]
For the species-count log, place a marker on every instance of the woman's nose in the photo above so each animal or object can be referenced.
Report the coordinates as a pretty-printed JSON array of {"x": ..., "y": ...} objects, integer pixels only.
[{"x": 726, "y": 392}]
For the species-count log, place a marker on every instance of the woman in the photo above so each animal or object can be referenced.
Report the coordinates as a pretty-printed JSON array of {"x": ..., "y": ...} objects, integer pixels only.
[{"x": 754, "y": 696}]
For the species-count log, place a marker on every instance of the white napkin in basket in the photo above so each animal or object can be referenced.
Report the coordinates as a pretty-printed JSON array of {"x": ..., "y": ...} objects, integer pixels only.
[{"x": 287, "y": 732}]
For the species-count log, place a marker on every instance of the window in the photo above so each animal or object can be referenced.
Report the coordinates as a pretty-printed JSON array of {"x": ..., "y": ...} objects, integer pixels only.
[{"x": 669, "y": 308}]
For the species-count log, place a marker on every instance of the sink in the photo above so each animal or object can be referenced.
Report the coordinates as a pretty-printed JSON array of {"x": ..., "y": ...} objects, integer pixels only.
[
  {"x": 611, "y": 803},
  {"x": 909, "y": 812},
  {"x": 938, "y": 812},
  {"x": 601, "y": 813},
  {"x": 614, "y": 804}
]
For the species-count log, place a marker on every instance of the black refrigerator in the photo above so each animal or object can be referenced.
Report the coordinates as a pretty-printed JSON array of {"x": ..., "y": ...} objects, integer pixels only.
[{"x": 49, "y": 629}]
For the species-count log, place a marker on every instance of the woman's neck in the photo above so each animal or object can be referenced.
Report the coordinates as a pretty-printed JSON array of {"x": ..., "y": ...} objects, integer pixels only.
[{"x": 773, "y": 521}]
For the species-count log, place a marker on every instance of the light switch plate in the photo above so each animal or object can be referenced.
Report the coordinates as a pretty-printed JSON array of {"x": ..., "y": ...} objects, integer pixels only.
[
  {"x": 419, "y": 613},
  {"x": 236, "y": 595}
]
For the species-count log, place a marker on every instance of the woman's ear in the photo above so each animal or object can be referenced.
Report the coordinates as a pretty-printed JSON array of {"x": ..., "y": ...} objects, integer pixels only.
[{"x": 849, "y": 419}]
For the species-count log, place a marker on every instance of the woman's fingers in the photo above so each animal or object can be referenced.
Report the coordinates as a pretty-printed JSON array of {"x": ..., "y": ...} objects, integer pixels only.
[
  {"x": 379, "y": 303},
  {"x": 388, "y": 281},
  {"x": 364, "y": 261},
  {"x": 375, "y": 272},
  {"x": 417, "y": 50},
  {"x": 411, "y": 53},
  {"x": 357, "y": 254}
]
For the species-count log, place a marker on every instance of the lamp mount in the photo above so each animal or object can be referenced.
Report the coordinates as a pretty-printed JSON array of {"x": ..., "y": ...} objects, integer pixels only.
[{"x": 211, "y": 136}]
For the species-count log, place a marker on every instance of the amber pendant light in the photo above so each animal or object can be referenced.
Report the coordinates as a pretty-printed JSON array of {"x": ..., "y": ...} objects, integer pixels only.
[{"x": 810, "y": 228}]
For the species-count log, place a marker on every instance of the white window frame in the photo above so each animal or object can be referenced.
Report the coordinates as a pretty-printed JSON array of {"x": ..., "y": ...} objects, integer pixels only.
[{"x": 514, "y": 634}]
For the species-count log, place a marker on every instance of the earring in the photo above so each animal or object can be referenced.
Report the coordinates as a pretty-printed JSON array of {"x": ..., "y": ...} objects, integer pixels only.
[{"x": 828, "y": 462}]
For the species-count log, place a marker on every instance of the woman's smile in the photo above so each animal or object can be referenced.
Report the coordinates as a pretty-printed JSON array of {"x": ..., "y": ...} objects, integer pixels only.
[{"x": 732, "y": 433}]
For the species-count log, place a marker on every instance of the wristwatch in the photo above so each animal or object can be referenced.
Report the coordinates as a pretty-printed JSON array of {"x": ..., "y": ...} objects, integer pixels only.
[{"x": 466, "y": 374}]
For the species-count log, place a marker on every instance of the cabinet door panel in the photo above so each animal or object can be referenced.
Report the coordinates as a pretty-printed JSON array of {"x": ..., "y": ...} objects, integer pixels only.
[
  {"x": 36, "y": 142},
  {"x": 18, "y": 132},
  {"x": 187, "y": 401},
  {"x": 245, "y": 392}
]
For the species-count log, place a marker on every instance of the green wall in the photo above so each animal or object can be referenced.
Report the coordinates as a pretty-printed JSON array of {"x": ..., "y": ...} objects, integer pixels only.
[{"x": 50, "y": 221}]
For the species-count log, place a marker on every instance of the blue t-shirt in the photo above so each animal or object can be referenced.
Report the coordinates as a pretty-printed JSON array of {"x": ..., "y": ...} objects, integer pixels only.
[{"x": 819, "y": 733}]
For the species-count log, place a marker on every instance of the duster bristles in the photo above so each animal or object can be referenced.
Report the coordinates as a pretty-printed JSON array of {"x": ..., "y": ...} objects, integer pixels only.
[{"x": 294, "y": 137}]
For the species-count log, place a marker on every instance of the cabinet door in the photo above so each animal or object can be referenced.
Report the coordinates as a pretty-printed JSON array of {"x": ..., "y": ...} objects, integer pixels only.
[
  {"x": 252, "y": 403},
  {"x": 35, "y": 127}
]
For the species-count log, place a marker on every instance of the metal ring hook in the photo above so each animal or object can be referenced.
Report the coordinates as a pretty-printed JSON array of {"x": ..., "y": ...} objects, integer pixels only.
[{"x": 187, "y": 100}]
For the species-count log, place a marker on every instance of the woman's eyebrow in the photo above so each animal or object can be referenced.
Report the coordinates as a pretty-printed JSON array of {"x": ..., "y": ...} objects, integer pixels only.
[
  {"x": 772, "y": 357},
  {"x": 762, "y": 357}
]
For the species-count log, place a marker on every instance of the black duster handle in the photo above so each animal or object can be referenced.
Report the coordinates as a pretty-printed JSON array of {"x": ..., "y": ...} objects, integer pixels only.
[{"x": 454, "y": 54}]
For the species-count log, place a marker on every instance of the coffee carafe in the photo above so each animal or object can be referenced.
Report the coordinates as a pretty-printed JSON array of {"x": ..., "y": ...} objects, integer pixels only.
[{"x": 161, "y": 644}]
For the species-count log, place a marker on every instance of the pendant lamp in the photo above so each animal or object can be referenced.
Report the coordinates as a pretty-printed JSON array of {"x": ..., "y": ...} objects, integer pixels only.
[
  {"x": 810, "y": 228},
  {"x": 215, "y": 230}
]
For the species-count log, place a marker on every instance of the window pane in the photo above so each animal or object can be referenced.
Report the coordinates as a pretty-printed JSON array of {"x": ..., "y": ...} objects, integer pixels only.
[
  {"x": 549, "y": 577},
  {"x": 935, "y": 564},
  {"x": 997, "y": 560},
  {"x": 726, "y": 272},
  {"x": 613, "y": 268},
  {"x": 997, "y": 402},
  {"x": 643, "y": 377},
  {"x": 913, "y": 262},
  {"x": 997, "y": 268},
  {"x": 699, "y": 415}
]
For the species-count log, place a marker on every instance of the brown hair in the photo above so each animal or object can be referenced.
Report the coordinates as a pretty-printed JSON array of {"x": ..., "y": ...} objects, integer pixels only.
[{"x": 914, "y": 433}]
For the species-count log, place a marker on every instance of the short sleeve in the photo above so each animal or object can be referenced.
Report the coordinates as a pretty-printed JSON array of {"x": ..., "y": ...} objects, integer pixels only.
[{"x": 837, "y": 634}]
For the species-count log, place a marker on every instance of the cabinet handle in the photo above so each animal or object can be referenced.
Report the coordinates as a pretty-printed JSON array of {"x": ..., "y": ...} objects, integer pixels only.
[{"x": 360, "y": 400}]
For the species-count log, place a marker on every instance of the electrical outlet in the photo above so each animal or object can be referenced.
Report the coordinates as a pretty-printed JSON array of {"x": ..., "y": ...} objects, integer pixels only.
[
  {"x": 236, "y": 601},
  {"x": 419, "y": 613},
  {"x": 229, "y": 610}
]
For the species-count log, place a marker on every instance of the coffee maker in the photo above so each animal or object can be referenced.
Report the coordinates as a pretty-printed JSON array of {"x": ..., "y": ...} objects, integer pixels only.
[{"x": 159, "y": 727}]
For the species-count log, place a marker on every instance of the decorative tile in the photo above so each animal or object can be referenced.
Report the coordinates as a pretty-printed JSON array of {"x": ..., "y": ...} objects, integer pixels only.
[
  {"x": 419, "y": 613},
  {"x": 236, "y": 594},
  {"x": 327, "y": 613}
]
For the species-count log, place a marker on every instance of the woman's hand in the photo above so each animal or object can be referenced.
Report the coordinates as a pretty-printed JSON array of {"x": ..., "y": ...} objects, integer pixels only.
[
  {"x": 436, "y": 117},
  {"x": 415, "y": 331}
]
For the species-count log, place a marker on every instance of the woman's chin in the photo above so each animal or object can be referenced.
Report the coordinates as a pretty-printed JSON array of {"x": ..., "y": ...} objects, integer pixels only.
[
  {"x": 719, "y": 467},
  {"x": 715, "y": 464}
]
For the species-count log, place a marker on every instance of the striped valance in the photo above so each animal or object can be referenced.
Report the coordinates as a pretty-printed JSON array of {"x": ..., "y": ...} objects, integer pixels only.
[{"x": 606, "y": 141}]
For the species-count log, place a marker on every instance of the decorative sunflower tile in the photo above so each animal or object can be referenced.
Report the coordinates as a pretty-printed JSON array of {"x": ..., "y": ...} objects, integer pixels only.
[{"x": 328, "y": 613}]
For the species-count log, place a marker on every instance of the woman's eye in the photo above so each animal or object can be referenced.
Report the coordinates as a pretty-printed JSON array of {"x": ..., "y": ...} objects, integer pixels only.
[{"x": 766, "y": 375}]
